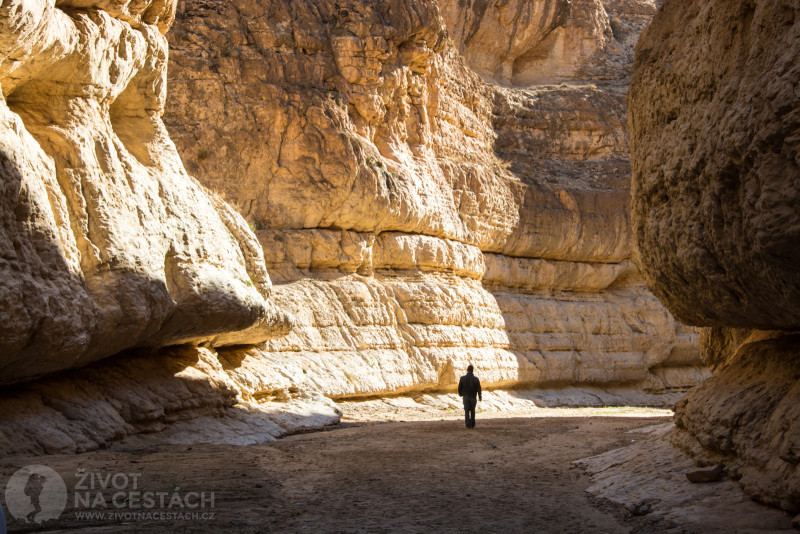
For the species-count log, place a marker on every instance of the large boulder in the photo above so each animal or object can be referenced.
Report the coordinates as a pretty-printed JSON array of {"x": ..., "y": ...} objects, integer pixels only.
[
  {"x": 716, "y": 161},
  {"x": 715, "y": 139}
]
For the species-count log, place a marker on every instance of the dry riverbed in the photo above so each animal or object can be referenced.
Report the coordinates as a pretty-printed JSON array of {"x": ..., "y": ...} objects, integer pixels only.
[{"x": 419, "y": 470}]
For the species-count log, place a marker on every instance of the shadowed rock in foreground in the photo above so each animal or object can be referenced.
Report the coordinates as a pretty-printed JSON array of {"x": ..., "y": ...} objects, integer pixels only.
[{"x": 715, "y": 135}]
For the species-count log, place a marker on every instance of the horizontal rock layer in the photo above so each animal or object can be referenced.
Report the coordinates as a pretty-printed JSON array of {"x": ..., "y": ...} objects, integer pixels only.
[
  {"x": 414, "y": 143},
  {"x": 416, "y": 216},
  {"x": 401, "y": 312},
  {"x": 187, "y": 395}
]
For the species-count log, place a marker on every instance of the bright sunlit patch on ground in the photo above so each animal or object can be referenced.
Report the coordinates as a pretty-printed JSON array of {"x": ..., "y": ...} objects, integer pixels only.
[{"x": 495, "y": 404}]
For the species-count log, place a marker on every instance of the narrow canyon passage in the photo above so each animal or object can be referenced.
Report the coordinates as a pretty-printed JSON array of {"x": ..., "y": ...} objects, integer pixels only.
[
  {"x": 248, "y": 248},
  {"x": 511, "y": 473}
]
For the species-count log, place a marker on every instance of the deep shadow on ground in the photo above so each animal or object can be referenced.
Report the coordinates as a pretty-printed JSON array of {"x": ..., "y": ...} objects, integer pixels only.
[{"x": 507, "y": 475}]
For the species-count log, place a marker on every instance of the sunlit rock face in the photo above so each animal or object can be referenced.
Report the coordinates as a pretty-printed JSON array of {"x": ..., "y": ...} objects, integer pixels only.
[
  {"x": 424, "y": 201},
  {"x": 523, "y": 43},
  {"x": 420, "y": 197},
  {"x": 106, "y": 243},
  {"x": 715, "y": 116}
]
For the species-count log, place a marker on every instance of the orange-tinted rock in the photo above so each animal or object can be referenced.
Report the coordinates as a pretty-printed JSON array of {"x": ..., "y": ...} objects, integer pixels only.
[{"x": 417, "y": 215}]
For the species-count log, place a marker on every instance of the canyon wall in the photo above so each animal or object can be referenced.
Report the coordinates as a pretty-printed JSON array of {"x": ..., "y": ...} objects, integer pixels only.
[
  {"x": 428, "y": 184},
  {"x": 424, "y": 199},
  {"x": 715, "y": 116},
  {"x": 107, "y": 245}
]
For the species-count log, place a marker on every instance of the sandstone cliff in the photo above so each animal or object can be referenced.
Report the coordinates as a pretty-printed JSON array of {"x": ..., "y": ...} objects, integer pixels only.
[
  {"x": 423, "y": 200},
  {"x": 715, "y": 116},
  {"x": 420, "y": 197},
  {"x": 106, "y": 243}
]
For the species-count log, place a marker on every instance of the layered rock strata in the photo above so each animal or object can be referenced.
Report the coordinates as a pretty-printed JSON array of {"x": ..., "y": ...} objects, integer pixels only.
[
  {"x": 715, "y": 116},
  {"x": 106, "y": 243},
  {"x": 177, "y": 395},
  {"x": 417, "y": 216}
]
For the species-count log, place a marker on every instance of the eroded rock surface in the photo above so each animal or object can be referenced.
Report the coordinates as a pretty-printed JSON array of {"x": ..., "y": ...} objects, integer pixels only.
[
  {"x": 754, "y": 430},
  {"x": 715, "y": 116},
  {"x": 716, "y": 173},
  {"x": 107, "y": 243},
  {"x": 416, "y": 211},
  {"x": 648, "y": 477},
  {"x": 524, "y": 43},
  {"x": 186, "y": 395}
]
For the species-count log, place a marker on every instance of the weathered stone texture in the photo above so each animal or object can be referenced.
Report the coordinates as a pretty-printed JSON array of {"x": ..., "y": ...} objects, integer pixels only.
[
  {"x": 420, "y": 202},
  {"x": 715, "y": 117},
  {"x": 106, "y": 242},
  {"x": 522, "y": 43},
  {"x": 186, "y": 394},
  {"x": 746, "y": 416},
  {"x": 417, "y": 216},
  {"x": 716, "y": 157}
]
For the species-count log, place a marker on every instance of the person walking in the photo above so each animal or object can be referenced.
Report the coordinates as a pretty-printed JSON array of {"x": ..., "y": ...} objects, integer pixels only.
[{"x": 468, "y": 388}]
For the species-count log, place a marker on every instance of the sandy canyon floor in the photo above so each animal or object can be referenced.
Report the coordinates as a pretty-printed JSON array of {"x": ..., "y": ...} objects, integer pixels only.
[{"x": 390, "y": 466}]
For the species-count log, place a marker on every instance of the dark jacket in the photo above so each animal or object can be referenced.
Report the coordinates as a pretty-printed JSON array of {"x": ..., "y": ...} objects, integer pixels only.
[{"x": 469, "y": 386}]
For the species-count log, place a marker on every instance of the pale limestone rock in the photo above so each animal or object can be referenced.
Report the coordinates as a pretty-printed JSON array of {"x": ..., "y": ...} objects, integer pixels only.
[
  {"x": 186, "y": 395},
  {"x": 106, "y": 243},
  {"x": 159, "y": 13},
  {"x": 649, "y": 475},
  {"x": 403, "y": 251},
  {"x": 522, "y": 42},
  {"x": 532, "y": 274},
  {"x": 307, "y": 154},
  {"x": 416, "y": 217},
  {"x": 364, "y": 335}
]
